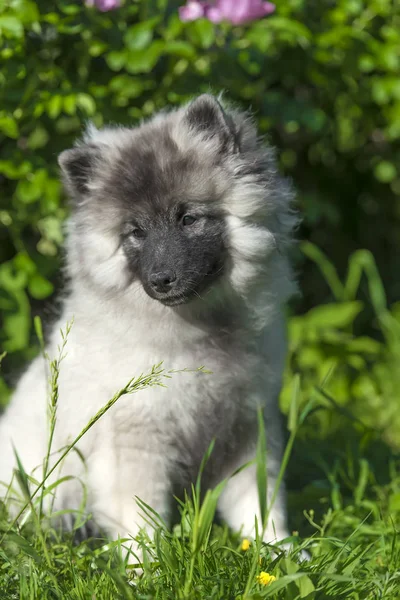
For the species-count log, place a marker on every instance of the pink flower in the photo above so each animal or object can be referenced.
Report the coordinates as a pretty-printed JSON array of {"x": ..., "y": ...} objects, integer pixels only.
[
  {"x": 104, "y": 5},
  {"x": 192, "y": 11},
  {"x": 235, "y": 11},
  {"x": 239, "y": 11}
]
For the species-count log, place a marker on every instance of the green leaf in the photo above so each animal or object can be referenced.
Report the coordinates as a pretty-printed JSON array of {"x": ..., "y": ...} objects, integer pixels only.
[
  {"x": 39, "y": 287},
  {"x": 125, "y": 85},
  {"x": 15, "y": 171},
  {"x": 30, "y": 190},
  {"x": 11, "y": 26},
  {"x": 261, "y": 467},
  {"x": 97, "y": 48},
  {"x": 143, "y": 61},
  {"x": 280, "y": 584},
  {"x": 16, "y": 324},
  {"x": 339, "y": 315},
  {"x": 54, "y": 106},
  {"x": 23, "y": 262},
  {"x": 291, "y": 31},
  {"x": 362, "y": 481},
  {"x": 139, "y": 36},
  {"x": 306, "y": 587},
  {"x": 9, "y": 126},
  {"x": 364, "y": 344},
  {"x": 10, "y": 279},
  {"x": 37, "y": 322},
  {"x": 385, "y": 171},
  {"x": 24, "y": 545},
  {"x": 394, "y": 503},
  {"x": 69, "y": 104},
  {"x": 86, "y": 103},
  {"x": 180, "y": 48},
  {"x": 366, "y": 63},
  {"x": 38, "y": 138},
  {"x": 28, "y": 12},
  {"x": 117, "y": 60},
  {"x": 27, "y": 192},
  {"x": 202, "y": 32}
]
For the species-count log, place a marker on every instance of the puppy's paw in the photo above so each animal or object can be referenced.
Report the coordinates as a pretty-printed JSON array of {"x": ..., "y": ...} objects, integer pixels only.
[
  {"x": 300, "y": 554},
  {"x": 287, "y": 544}
]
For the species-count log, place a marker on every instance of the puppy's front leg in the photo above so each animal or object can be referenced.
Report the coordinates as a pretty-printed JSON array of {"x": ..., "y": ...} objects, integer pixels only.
[
  {"x": 239, "y": 503},
  {"x": 116, "y": 478}
]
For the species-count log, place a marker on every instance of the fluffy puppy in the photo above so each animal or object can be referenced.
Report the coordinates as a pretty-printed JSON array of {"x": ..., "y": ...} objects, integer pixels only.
[{"x": 176, "y": 252}]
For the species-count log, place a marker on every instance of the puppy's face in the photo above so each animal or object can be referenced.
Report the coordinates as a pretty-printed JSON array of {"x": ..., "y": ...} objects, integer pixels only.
[{"x": 155, "y": 199}]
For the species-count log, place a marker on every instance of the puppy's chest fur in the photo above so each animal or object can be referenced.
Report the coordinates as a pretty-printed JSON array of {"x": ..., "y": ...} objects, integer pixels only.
[{"x": 182, "y": 417}]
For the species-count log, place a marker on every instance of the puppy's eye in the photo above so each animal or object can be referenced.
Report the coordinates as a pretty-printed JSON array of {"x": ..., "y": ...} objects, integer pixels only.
[
  {"x": 188, "y": 220},
  {"x": 138, "y": 233}
]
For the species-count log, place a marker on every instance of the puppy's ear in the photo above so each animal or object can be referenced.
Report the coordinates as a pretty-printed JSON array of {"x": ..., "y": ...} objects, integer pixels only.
[
  {"x": 206, "y": 116},
  {"x": 78, "y": 166}
]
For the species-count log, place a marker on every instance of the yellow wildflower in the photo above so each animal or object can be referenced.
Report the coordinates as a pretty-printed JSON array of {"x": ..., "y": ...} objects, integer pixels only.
[
  {"x": 245, "y": 544},
  {"x": 265, "y": 578}
]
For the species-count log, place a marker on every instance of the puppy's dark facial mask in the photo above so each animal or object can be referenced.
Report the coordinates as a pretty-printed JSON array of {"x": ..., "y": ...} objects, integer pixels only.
[{"x": 176, "y": 254}]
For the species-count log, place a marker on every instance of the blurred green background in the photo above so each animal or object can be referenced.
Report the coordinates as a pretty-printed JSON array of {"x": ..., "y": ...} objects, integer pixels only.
[{"x": 322, "y": 79}]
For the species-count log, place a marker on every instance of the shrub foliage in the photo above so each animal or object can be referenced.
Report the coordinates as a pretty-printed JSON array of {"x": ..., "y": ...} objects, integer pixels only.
[{"x": 321, "y": 78}]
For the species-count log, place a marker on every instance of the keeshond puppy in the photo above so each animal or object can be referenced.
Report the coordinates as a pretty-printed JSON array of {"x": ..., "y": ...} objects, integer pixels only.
[{"x": 176, "y": 252}]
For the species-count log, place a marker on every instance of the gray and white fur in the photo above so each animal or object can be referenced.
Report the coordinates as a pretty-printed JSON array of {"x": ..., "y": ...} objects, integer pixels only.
[{"x": 176, "y": 252}]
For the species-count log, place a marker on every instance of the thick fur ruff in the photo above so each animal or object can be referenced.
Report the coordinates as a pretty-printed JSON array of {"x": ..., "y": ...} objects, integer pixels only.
[{"x": 228, "y": 254}]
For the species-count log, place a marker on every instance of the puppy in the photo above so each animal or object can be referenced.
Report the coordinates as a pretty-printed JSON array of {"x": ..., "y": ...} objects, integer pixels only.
[{"x": 176, "y": 252}]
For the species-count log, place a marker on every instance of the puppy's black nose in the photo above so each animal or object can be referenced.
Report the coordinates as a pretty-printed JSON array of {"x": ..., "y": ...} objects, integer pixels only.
[{"x": 163, "y": 281}]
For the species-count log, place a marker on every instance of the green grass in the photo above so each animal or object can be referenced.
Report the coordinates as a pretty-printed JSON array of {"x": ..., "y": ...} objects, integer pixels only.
[
  {"x": 355, "y": 553},
  {"x": 350, "y": 535},
  {"x": 341, "y": 463}
]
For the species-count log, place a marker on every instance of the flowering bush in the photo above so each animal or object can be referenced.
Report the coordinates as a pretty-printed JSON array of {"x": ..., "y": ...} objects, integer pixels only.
[{"x": 322, "y": 80}]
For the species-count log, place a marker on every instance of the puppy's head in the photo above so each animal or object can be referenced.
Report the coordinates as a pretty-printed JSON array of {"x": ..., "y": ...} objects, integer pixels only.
[{"x": 178, "y": 204}]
